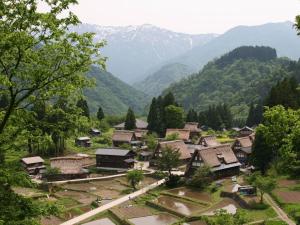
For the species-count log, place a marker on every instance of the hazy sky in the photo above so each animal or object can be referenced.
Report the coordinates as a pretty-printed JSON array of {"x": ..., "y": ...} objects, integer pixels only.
[{"x": 189, "y": 16}]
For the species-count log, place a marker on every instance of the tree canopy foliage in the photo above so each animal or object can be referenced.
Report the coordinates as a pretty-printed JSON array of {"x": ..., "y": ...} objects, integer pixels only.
[
  {"x": 243, "y": 78},
  {"x": 130, "y": 120}
]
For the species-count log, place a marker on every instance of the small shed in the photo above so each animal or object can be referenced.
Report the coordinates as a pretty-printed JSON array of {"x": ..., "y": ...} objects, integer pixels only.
[
  {"x": 83, "y": 141},
  {"x": 33, "y": 165},
  {"x": 95, "y": 132}
]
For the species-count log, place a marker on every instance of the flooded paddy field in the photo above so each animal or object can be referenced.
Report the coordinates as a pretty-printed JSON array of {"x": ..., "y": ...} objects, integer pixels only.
[
  {"x": 160, "y": 219},
  {"x": 104, "y": 221},
  {"x": 184, "y": 207},
  {"x": 191, "y": 193}
]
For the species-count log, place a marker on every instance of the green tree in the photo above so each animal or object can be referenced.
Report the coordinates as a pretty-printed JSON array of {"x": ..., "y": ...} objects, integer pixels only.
[
  {"x": 191, "y": 116},
  {"x": 134, "y": 177},
  {"x": 224, "y": 218},
  {"x": 202, "y": 178},
  {"x": 82, "y": 104},
  {"x": 168, "y": 159},
  {"x": 265, "y": 185},
  {"x": 130, "y": 120},
  {"x": 151, "y": 141},
  {"x": 174, "y": 117},
  {"x": 262, "y": 154},
  {"x": 40, "y": 59},
  {"x": 153, "y": 117},
  {"x": 100, "y": 114},
  {"x": 173, "y": 136}
]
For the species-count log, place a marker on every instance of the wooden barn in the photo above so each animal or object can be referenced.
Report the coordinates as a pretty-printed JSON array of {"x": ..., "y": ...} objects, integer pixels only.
[
  {"x": 242, "y": 148},
  {"x": 83, "y": 142},
  {"x": 121, "y": 137},
  {"x": 220, "y": 159},
  {"x": 245, "y": 131},
  {"x": 115, "y": 159},
  {"x": 33, "y": 165},
  {"x": 208, "y": 141}
]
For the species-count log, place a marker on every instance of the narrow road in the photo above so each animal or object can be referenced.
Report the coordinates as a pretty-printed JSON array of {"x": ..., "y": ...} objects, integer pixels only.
[
  {"x": 112, "y": 204},
  {"x": 282, "y": 215}
]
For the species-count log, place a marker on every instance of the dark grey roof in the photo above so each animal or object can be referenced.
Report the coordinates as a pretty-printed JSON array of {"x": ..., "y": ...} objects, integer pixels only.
[{"x": 112, "y": 151}]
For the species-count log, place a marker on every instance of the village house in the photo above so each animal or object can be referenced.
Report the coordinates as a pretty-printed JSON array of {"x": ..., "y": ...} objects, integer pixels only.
[
  {"x": 208, "y": 141},
  {"x": 183, "y": 134},
  {"x": 220, "y": 159},
  {"x": 139, "y": 134},
  {"x": 242, "y": 148},
  {"x": 139, "y": 124},
  {"x": 245, "y": 131},
  {"x": 121, "y": 137},
  {"x": 83, "y": 142},
  {"x": 95, "y": 132},
  {"x": 115, "y": 159},
  {"x": 195, "y": 132},
  {"x": 176, "y": 145},
  {"x": 73, "y": 164},
  {"x": 33, "y": 165}
]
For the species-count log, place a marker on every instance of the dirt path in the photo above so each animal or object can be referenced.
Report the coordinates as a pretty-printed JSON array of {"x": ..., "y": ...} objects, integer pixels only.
[
  {"x": 112, "y": 204},
  {"x": 282, "y": 215}
]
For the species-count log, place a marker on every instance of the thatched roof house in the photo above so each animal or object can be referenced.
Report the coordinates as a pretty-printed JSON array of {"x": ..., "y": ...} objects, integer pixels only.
[
  {"x": 123, "y": 137},
  {"x": 208, "y": 141},
  {"x": 176, "y": 145},
  {"x": 220, "y": 159}
]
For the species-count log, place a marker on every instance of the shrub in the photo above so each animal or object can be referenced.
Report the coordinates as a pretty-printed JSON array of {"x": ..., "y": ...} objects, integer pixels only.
[{"x": 173, "y": 181}]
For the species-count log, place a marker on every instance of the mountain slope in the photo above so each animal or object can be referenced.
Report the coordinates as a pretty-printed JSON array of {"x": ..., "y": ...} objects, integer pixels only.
[
  {"x": 133, "y": 50},
  {"x": 113, "y": 95},
  {"x": 281, "y": 36},
  {"x": 154, "y": 84},
  {"x": 238, "y": 78}
]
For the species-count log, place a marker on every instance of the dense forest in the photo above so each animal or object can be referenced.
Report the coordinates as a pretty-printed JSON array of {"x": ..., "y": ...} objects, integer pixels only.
[
  {"x": 112, "y": 94},
  {"x": 244, "y": 78}
]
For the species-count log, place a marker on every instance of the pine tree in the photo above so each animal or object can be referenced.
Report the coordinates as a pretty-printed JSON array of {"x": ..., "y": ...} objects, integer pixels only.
[
  {"x": 82, "y": 104},
  {"x": 251, "y": 116},
  {"x": 191, "y": 116},
  {"x": 169, "y": 99},
  {"x": 100, "y": 114},
  {"x": 152, "y": 118},
  {"x": 130, "y": 120}
]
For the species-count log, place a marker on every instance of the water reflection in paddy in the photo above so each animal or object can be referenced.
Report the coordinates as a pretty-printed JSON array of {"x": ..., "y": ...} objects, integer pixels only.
[
  {"x": 161, "y": 219},
  {"x": 194, "y": 194},
  {"x": 177, "y": 205}
]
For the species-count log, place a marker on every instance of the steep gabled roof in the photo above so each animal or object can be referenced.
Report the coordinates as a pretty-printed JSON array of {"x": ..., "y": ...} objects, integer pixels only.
[
  {"x": 140, "y": 133},
  {"x": 183, "y": 134},
  {"x": 192, "y": 126},
  {"x": 214, "y": 156},
  {"x": 210, "y": 140},
  {"x": 123, "y": 135},
  {"x": 245, "y": 142},
  {"x": 178, "y": 144}
]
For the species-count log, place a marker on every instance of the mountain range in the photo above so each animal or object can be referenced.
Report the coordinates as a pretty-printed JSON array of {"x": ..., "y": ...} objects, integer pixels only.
[
  {"x": 135, "y": 51},
  {"x": 281, "y": 36}
]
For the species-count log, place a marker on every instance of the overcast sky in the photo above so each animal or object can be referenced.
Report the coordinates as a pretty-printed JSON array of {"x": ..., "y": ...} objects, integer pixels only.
[{"x": 188, "y": 16}]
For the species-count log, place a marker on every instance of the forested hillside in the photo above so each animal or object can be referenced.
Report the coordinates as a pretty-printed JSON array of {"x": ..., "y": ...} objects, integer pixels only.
[
  {"x": 237, "y": 79},
  {"x": 154, "y": 84},
  {"x": 113, "y": 95}
]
